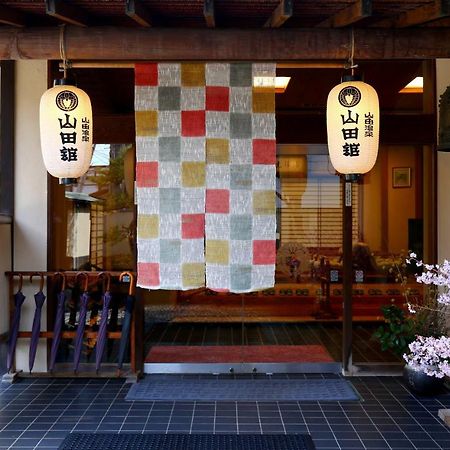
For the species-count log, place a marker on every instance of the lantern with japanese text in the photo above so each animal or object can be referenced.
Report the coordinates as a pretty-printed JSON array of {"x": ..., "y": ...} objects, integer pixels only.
[
  {"x": 66, "y": 131},
  {"x": 353, "y": 124}
]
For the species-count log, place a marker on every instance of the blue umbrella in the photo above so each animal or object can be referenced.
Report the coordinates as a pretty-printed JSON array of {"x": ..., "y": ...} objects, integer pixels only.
[
  {"x": 39, "y": 299},
  {"x": 59, "y": 321},
  {"x": 19, "y": 298},
  {"x": 81, "y": 323},
  {"x": 126, "y": 324},
  {"x": 102, "y": 331}
]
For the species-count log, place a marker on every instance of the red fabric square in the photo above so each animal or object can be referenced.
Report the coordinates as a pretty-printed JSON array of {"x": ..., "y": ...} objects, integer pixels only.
[
  {"x": 192, "y": 123},
  {"x": 217, "y": 200},
  {"x": 148, "y": 274},
  {"x": 146, "y": 74},
  {"x": 147, "y": 174},
  {"x": 217, "y": 98},
  {"x": 264, "y": 252},
  {"x": 264, "y": 151},
  {"x": 192, "y": 226}
]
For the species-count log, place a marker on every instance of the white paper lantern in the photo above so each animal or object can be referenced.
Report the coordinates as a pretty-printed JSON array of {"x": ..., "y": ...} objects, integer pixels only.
[
  {"x": 353, "y": 126},
  {"x": 66, "y": 132}
]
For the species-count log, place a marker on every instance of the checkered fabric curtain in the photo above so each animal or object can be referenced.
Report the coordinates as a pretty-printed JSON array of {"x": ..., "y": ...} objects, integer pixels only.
[{"x": 205, "y": 172}]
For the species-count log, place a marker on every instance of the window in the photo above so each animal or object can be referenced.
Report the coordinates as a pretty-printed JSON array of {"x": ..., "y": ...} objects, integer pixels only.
[{"x": 96, "y": 217}]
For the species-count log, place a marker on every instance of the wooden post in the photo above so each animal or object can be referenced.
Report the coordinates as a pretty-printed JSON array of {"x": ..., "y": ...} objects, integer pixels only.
[{"x": 347, "y": 267}]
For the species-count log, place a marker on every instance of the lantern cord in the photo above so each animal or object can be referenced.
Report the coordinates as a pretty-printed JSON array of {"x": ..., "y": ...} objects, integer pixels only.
[
  {"x": 351, "y": 65},
  {"x": 62, "y": 48}
]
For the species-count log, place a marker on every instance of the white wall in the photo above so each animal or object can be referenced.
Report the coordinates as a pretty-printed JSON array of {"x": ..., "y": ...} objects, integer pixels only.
[
  {"x": 443, "y": 168},
  {"x": 30, "y": 226}
]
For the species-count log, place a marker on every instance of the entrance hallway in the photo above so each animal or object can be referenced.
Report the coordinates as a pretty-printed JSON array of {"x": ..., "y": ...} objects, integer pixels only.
[{"x": 39, "y": 413}]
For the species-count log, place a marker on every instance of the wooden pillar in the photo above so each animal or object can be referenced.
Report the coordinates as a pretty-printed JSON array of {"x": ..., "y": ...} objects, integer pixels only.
[{"x": 347, "y": 268}]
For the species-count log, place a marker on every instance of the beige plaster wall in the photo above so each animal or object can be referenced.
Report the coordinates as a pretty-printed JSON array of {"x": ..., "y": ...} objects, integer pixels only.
[{"x": 30, "y": 226}]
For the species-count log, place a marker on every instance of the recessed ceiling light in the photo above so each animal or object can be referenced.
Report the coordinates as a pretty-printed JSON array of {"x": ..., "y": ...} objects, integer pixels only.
[
  {"x": 413, "y": 87},
  {"x": 279, "y": 83}
]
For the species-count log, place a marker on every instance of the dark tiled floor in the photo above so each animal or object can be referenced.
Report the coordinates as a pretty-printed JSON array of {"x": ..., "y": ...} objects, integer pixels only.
[{"x": 38, "y": 413}]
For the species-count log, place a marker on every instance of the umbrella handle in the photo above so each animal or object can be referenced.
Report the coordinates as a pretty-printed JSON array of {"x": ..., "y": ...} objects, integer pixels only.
[
  {"x": 63, "y": 286},
  {"x": 86, "y": 280},
  {"x": 131, "y": 289},
  {"x": 41, "y": 284},
  {"x": 106, "y": 276},
  {"x": 19, "y": 289}
]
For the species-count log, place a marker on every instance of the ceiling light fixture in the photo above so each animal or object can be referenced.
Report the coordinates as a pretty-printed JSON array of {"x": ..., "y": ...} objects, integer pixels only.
[
  {"x": 413, "y": 87},
  {"x": 279, "y": 83}
]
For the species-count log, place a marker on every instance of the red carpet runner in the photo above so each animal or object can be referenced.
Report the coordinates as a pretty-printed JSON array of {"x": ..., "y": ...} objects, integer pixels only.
[{"x": 236, "y": 353}]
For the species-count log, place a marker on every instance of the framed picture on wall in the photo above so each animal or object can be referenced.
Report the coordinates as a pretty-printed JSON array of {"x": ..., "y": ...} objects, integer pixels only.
[{"x": 401, "y": 177}]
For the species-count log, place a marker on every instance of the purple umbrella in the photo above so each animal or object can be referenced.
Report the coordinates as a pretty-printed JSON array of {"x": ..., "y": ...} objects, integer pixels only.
[
  {"x": 59, "y": 321},
  {"x": 102, "y": 331},
  {"x": 19, "y": 298},
  {"x": 129, "y": 305},
  {"x": 81, "y": 323},
  {"x": 39, "y": 299}
]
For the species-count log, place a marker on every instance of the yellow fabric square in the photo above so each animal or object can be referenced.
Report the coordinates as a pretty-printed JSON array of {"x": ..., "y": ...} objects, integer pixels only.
[
  {"x": 264, "y": 202},
  {"x": 264, "y": 102},
  {"x": 192, "y": 74},
  {"x": 193, "y": 274},
  {"x": 193, "y": 174},
  {"x": 146, "y": 123},
  {"x": 217, "y": 252},
  {"x": 217, "y": 151},
  {"x": 148, "y": 226}
]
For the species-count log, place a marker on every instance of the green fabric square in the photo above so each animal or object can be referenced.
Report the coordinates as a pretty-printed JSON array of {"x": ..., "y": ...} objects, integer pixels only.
[
  {"x": 170, "y": 251},
  {"x": 241, "y": 227},
  {"x": 241, "y": 176},
  {"x": 240, "y": 125},
  {"x": 170, "y": 148},
  {"x": 241, "y": 74},
  {"x": 169, "y": 98},
  {"x": 169, "y": 200},
  {"x": 240, "y": 277}
]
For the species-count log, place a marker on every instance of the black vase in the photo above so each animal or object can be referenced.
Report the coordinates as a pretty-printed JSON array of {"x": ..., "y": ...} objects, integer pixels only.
[{"x": 421, "y": 383}]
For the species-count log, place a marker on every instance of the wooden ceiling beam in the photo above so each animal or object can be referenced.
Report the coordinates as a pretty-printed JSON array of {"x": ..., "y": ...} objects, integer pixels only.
[
  {"x": 350, "y": 15},
  {"x": 281, "y": 13},
  {"x": 430, "y": 12},
  {"x": 13, "y": 17},
  {"x": 176, "y": 44},
  {"x": 138, "y": 12},
  {"x": 66, "y": 12},
  {"x": 208, "y": 12}
]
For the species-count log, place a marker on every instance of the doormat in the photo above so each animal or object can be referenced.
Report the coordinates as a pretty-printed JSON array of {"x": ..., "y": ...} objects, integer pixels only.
[
  {"x": 237, "y": 353},
  {"x": 78, "y": 441},
  {"x": 267, "y": 389}
]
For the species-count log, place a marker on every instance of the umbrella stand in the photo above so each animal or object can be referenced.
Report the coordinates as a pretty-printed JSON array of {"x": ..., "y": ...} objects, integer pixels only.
[
  {"x": 126, "y": 324},
  {"x": 39, "y": 299},
  {"x": 102, "y": 331},
  {"x": 19, "y": 298},
  {"x": 81, "y": 323},
  {"x": 59, "y": 321}
]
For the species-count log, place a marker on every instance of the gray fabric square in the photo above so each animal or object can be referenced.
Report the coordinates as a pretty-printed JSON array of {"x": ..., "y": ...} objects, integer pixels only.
[
  {"x": 240, "y": 125},
  {"x": 170, "y": 149},
  {"x": 169, "y": 98},
  {"x": 241, "y": 74},
  {"x": 241, "y": 176},
  {"x": 241, "y": 227},
  {"x": 170, "y": 250},
  {"x": 169, "y": 200},
  {"x": 241, "y": 277}
]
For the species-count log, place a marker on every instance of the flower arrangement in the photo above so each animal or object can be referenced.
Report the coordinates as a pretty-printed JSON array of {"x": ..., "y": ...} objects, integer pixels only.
[{"x": 431, "y": 354}]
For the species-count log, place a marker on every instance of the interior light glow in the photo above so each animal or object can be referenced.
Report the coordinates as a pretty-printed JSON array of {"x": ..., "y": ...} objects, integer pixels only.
[{"x": 279, "y": 83}]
